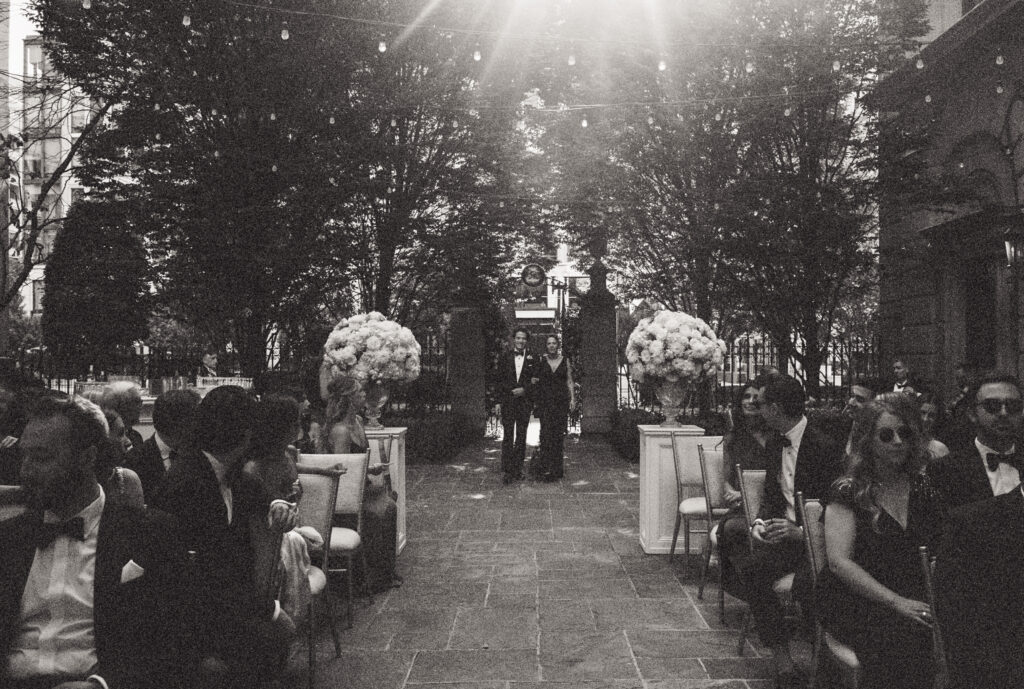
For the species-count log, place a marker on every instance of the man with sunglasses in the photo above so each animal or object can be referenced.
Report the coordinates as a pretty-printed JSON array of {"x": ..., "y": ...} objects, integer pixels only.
[
  {"x": 989, "y": 465},
  {"x": 979, "y": 571}
]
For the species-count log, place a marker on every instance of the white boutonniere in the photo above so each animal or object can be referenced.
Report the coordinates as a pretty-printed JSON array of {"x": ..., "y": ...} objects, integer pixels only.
[{"x": 529, "y": 357}]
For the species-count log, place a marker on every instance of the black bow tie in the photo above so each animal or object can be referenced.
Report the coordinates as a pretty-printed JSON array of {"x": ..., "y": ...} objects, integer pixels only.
[
  {"x": 784, "y": 441},
  {"x": 993, "y": 460},
  {"x": 46, "y": 533},
  {"x": 520, "y": 353}
]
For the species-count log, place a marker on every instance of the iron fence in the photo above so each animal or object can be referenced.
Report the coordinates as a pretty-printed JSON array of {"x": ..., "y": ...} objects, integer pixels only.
[
  {"x": 848, "y": 358},
  {"x": 430, "y": 394}
]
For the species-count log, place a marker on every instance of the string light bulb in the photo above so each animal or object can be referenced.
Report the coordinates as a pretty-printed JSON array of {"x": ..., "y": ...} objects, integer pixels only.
[
  {"x": 787, "y": 112},
  {"x": 662, "y": 66},
  {"x": 477, "y": 56},
  {"x": 718, "y": 117},
  {"x": 186, "y": 20},
  {"x": 584, "y": 123},
  {"x": 835, "y": 65},
  {"x": 999, "y": 60},
  {"x": 928, "y": 98},
  {"x": 394, "y": 122},
  {"x": 213, "y": 112},
  {"x": 284, "y": 34},
  {"x": 331, "y": 120},
  {"x": 86, "y": 4},
  {"x": 999, "y": 89},
  {"x": 650, "y": 120},
  {"x": 273, "y": 168},
  {"x": 382, "y": 47},
  {"x": 749, "y": 67},
  {"x": 919, "y": 64},
  {"x": 273, "y": 116},
  {"x": 571, "y": 60}
]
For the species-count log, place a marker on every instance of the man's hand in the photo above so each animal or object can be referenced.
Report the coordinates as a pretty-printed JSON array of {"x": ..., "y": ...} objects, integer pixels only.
[
  {"x": 281, "y": 516},
  {"x": 732, "y": 497},
  {"x": 779, "y": 530},
  {"x": 757, "y": 532},
  {"x": 518, "y": 392}
]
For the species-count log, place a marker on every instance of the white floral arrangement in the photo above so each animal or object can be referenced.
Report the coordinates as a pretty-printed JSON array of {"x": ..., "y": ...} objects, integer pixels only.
[
  {"x": 673, "y": 347},
  {"x": 370, "y": 348}
]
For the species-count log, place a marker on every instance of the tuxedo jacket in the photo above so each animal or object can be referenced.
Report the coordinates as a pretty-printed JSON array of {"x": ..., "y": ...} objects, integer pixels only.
[
  {"x": 960, "y": 476},
  {"x": 145, "y": 460},
  {"x": 819, "y": 462},
  {"x": 979, "y": 579},
  {"x": 138, "y": 625},
  {"x": 222, "y": 556},
  {"x": 507, "y": 380}
]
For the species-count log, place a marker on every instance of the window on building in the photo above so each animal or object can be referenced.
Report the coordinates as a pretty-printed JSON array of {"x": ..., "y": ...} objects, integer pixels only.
[
  {"x": 38, "y": 288},
  {"x": 80, "y": 114},
  {"x": 76, "y": 194},
  {"x": 35, "y": 61}
]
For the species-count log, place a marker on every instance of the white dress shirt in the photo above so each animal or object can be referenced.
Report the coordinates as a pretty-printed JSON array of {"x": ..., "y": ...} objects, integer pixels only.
[
  {"x": 520, "y": 360},
  {"x": 165, "y": 450},
  {"x": 787, "y": 476},
  {"x": 1005, "y": 477},
  {"x": 56, "y": 636},
  {"x": 225, "y": 488}
]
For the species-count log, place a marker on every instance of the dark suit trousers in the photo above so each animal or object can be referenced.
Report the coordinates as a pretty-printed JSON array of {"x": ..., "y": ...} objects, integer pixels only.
[
  {"x": 759, "y": 570},
  {"x": 515, "y": 418}
]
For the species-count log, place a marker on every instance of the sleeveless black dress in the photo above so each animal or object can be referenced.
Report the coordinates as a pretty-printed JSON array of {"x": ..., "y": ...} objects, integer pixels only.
[{"x": 551, "y": 406}]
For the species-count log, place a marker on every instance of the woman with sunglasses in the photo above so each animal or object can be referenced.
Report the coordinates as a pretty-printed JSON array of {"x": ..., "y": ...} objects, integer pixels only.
[{"x": 872, "y": 596}]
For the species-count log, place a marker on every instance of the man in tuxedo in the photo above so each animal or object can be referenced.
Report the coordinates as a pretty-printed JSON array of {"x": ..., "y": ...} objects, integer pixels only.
[
  {"x": 241, "y": 636},
  {"x": 172, "y": 419},
  {"x": 979, "y": 577},
  {"x": 514, "y": 371},
  {"x": 208, "y": 365},
  {"x": 89, "y": 593},
  {"x": 801, "y": 459},
  {"x": 904, "y": 380},
  {"x": 988, "y": 465}
]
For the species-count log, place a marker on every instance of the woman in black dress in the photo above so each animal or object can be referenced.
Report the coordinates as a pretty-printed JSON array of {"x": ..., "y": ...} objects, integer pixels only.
[
  {"x": 873, "y": 596},
  {"x": 553, "y": 396}
]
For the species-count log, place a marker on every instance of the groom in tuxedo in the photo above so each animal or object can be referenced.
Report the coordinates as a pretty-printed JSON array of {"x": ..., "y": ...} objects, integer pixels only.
[
  {"x": 514, "y": 371},
  {"x": 89, "y": 590}
]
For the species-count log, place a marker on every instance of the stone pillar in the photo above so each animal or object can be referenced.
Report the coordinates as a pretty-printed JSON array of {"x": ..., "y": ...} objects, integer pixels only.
[
  {"x": 598, "y": 353},
  {"x": 467, "y": 368}
]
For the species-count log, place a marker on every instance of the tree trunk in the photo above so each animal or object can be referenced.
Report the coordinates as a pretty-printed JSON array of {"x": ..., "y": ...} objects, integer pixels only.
[{"x": 252, "y": 354}]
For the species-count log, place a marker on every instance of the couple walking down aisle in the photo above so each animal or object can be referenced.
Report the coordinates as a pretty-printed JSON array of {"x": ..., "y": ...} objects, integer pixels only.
[{"x": 543, "y": 385}]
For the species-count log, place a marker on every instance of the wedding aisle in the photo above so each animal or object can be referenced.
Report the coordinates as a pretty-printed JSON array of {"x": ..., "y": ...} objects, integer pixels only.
[{"x": 537, "y": 586}]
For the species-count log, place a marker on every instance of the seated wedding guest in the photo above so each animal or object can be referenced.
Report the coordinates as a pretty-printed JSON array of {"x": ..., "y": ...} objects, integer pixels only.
[
  {"x": 957, "y": 430},
  {"x": 979, "y": 576},
  {"x": 122, "y": 485},
  {"x": 89, "y": 593},
  {"x": 125, "y": 398},
  {"x": 272, "y": 463},
  {"x": 744, "y": 444},
  {"x": 932, "y": 418},
  {"x": 342, "y": 430},
  {"x": 241, "y": 635},
  {"x": 800, "y": 458},
  {"x": 872, "y": 597},
  {"x": 172, "y": 418},
  {"x": 862, "y": 391},
  {"x": 988, "y": 466}
]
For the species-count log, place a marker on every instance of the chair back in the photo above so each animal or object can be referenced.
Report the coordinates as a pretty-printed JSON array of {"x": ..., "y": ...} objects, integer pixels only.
[
  {"x": 351, "y": 483},
  {"x": 810, "y": 511},
  {"x": 687, "y": 474},
  {"x": 712, "y": 471},
  {"x": 751, "y": 492},
  {"x": 319, "y": 497},
  {"x": 938, "y": 649},
  {"x": 13, "y": 501}
]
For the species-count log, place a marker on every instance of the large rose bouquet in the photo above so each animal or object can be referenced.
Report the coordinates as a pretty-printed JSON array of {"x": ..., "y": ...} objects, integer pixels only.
[
  {"x": 372, "y": 349},
  {"x": 673, "y": 347}
]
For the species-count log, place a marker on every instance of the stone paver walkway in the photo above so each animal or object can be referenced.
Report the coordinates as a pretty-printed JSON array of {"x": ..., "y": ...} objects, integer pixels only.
[{"x": 537, "y": 586}]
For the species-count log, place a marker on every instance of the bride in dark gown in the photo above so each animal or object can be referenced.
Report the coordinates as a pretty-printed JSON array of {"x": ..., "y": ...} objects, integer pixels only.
[{"x": 553, "y": 396}]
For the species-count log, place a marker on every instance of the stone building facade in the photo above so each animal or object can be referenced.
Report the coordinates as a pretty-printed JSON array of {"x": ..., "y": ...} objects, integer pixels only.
[{"x": 947, "y": 295}]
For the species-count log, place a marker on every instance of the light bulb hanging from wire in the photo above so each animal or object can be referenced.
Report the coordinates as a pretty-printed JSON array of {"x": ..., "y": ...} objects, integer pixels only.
[
  {"x": 382, "y": 47},
  {"x": 584, "y": 123},
  {"x": 477, "y": 56},
  {"x": 86, "y": 4},
  {"x": 186, "y": 20},
  {"x": 662, "y": 65},
  {"x": 571, "y": 60},
  {"x": 284, "y": 34},
  {"x": 999, "y": 60}
]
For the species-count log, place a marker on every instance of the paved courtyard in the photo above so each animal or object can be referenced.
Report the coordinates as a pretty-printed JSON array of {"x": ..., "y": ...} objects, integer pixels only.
[{"x": 537, "y": 586}]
